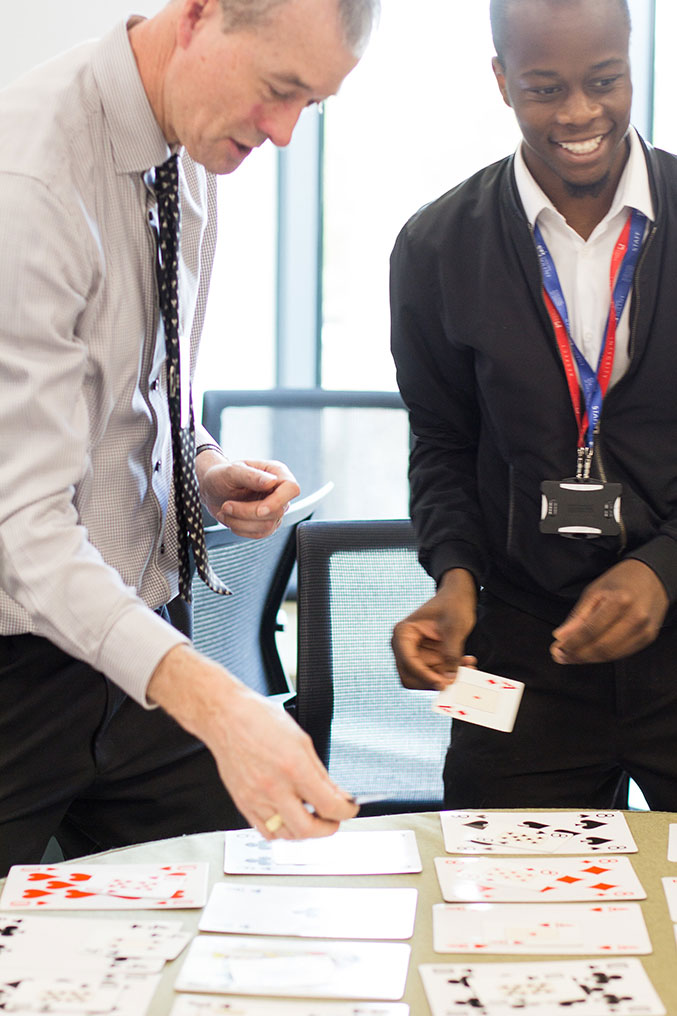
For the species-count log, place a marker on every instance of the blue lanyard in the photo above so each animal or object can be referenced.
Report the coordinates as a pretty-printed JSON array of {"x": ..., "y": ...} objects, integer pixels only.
[{"x": 594, "y": 382}]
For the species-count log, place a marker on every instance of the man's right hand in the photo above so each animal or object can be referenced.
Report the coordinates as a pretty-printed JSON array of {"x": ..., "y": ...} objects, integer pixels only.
[
  {"x": 265, "y": 760},
  {"x": 429, "y": 644}
]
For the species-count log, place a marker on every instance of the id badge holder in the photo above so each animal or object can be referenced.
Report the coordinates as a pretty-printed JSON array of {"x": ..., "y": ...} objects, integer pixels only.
[{"x": 580, "y": 509}]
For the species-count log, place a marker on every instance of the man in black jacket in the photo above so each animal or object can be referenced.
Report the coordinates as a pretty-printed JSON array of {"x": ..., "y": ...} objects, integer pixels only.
[{"x": 535, "y": 336}]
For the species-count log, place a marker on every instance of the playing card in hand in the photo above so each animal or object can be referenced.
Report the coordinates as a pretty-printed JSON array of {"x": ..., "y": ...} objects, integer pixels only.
[{"x": 481, "y": 698}]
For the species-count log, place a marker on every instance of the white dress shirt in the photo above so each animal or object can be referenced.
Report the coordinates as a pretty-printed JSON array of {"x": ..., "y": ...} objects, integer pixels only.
[
  {"x": 583, "y": 265},
  {"x": 87, "y": 524}
]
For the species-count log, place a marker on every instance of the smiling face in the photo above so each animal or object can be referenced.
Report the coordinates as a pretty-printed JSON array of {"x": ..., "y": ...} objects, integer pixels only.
[
  {"x": 225, "y": 93},
  {"x": 565, "y": 72}
]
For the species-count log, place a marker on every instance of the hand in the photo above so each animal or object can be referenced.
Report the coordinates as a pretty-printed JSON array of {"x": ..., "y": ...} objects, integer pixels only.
[
  {"x": 428, "y": 645},
  {"x": 618, "y": 614},
  {"x": 265, "y": 760},
  {"x": 249, "y": 497}
]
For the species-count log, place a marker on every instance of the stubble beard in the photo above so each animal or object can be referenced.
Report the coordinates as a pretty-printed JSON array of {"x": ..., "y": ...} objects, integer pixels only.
[{"x": 587, "y": 190}]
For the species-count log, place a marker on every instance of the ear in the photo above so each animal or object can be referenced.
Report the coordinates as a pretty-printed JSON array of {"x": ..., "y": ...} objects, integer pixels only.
[
  {"x": 499, "y": 72},
  {"x": 191, "y": 13}
]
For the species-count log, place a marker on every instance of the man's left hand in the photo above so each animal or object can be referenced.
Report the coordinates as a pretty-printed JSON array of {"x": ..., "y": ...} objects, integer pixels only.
[
  {"x": 250, "y": 497},
  {"x": 618, "y": 614}
]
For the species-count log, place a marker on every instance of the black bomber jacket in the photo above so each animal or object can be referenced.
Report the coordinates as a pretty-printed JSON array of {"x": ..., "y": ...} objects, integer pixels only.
[{"x": 480, "y": 371}]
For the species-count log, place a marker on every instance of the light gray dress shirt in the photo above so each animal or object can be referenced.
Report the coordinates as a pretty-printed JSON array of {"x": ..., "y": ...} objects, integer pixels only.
[{"x": 87, "y": 523}]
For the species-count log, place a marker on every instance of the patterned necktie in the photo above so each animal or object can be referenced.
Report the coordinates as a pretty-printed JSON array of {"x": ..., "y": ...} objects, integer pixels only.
[{"x": 190, "y": 530}]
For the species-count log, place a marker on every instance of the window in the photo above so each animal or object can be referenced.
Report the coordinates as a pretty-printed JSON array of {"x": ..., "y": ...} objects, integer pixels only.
[
  {"x": 665, "y": 124},
  {"x": 238, "y": 347},
  {"x": 419, "y": 114}
]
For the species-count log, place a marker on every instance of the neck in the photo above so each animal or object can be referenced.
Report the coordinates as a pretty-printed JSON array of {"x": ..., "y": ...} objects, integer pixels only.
[
  {"x": 152, "y": 43},
  {"x": 582, "y": 207}
]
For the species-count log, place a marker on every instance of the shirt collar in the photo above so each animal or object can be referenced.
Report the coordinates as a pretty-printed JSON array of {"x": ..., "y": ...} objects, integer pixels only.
[
  {"x": 633, "y": 189},
  {"x": 136, "y": 137}
]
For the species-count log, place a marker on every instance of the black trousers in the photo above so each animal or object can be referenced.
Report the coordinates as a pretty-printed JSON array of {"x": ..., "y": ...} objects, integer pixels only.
[
  {"x": 580, "y": 730},
  {"x": 81, "y": 761}
]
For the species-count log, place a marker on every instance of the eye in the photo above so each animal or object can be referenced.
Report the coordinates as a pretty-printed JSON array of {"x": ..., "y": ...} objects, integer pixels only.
[
  {"x": 604, "y": 83},
  {"x": 279, "y": 96},
  {"x": 545, "y": 92}
]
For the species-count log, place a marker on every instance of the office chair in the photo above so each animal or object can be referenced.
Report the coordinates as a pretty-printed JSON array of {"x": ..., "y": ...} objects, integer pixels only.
[
  {"x": 356, "y": 580},
  {"x": 359, "y": 440},
  {"x": 239, "y": 630}
]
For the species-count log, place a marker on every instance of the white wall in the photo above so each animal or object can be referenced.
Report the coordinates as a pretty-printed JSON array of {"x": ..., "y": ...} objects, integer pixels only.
[{"x": 35, "y": 30}]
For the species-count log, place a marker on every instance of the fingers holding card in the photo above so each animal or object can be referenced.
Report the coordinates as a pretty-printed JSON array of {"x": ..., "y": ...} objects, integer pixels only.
[{"x": 484, "y": 699}]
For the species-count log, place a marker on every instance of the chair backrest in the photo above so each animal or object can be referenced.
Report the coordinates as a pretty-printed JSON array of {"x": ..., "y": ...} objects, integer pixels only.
[
  {"x": 239, "y": 630},
  {"x": 356, "y": 580},
  {"x": 359, "y": 440}
]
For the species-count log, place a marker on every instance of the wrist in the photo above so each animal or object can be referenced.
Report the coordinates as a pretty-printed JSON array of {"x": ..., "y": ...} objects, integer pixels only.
[
  {"x": 207, "y": 456},
  {"x": 209, "y": 446}
]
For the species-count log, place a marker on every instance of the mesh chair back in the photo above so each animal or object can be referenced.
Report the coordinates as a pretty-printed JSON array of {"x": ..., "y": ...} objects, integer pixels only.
[
  {"x": 359, "y": 440},
  {"x": 356, "y": 580},
  {"x": 239, "y": 630}
]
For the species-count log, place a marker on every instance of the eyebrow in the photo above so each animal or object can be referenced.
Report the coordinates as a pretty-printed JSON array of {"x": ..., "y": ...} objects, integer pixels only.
[
  {"x": 293, "y": 80},
  {"x": 602, "y": 65}
]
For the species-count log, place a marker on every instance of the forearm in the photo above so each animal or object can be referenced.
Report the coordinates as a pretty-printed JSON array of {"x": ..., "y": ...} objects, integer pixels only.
[{"x": 194, "y": 691}]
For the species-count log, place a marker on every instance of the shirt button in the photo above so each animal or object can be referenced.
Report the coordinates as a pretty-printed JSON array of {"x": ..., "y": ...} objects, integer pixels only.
[
  {"x": 157, "y": 466},
  {"x": 155, "y": 385},
  {"x": 162, "y": 548}
]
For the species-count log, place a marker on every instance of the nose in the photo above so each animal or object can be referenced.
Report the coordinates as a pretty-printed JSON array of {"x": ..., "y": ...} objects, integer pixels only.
[
  {"x": 279, "y": 122},
  {"x": 578, "y": 108}
]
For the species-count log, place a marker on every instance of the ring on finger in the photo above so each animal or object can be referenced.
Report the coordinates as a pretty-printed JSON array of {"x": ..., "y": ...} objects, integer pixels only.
[{"x": 274, "y": 823}]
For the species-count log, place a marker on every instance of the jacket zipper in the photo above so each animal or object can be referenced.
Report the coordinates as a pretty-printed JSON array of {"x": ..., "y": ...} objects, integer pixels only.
[{"x": 635, "y": 317}]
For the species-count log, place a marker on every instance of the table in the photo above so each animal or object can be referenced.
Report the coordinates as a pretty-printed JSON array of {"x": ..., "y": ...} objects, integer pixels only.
[{"x": 650, "y": 830}]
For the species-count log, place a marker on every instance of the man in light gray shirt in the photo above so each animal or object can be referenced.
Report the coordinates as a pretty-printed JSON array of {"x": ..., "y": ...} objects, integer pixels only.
[{"x": 88, "y": 547}]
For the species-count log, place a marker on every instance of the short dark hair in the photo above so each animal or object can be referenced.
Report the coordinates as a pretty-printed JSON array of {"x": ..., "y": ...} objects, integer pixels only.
[
  {"x": 498, "y": 14},
  {"x": 357, "y": 17}
]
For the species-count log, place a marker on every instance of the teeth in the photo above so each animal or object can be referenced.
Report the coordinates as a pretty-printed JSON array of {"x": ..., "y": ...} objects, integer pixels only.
[{"x": 582, "y": 147}]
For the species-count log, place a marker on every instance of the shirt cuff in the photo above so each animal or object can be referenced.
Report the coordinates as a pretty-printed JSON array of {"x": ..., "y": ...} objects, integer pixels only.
[{"x": 133, "y": 648}]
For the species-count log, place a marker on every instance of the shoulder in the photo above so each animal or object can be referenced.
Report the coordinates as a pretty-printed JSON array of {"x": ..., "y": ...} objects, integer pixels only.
[{"x": 473, "y": 205}]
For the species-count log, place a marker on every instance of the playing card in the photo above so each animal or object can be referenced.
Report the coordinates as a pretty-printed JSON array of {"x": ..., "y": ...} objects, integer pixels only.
[
  {"x": 105, "y": 887},
  {"x": 136, "y": 995},
  {"x": 379, "y": 852},
  {"x": 83, "y": 944},
  {"x": 532, "y": 880},
  {"x": 310, "y": 912},
  {"x": 672, "y": 842},
  {"x": 53, "y": 994},
  {"x": 481, "y": 698},
  {"x": 586, "y": 987},
  {"x": 203, "y": 1005},
  {"x": 537, "y": 928},
  {"x": 270, "y": 966},
  {"x": 670, "y": 890},
  {"x": 477, "y": 832}
]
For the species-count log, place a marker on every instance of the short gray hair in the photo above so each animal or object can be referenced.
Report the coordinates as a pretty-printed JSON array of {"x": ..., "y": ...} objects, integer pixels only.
[{"x": 357, "y": 17}]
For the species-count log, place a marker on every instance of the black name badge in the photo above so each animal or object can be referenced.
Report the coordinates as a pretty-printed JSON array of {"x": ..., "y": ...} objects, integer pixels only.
[{"x": 580, "y": 509}]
